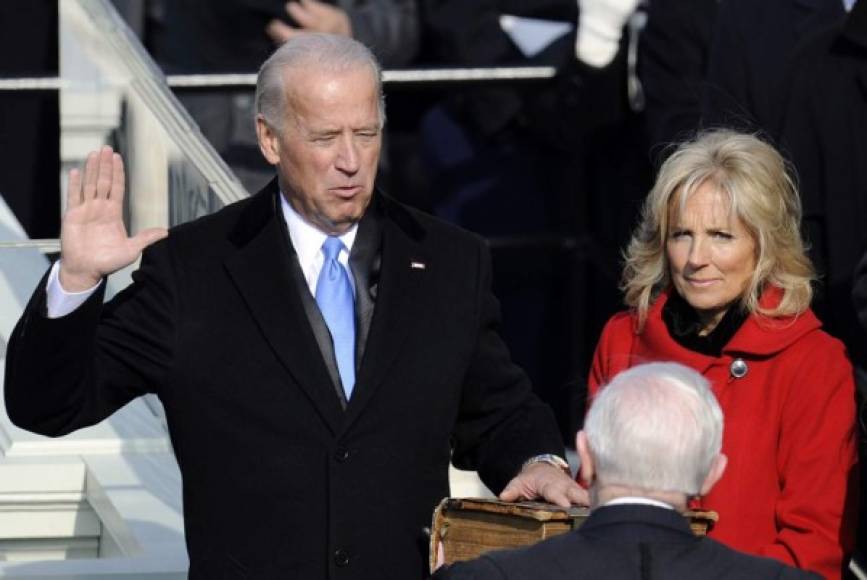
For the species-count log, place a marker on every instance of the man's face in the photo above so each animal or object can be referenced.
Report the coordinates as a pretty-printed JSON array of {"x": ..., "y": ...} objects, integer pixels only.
[{"x": 328, "y": 150}]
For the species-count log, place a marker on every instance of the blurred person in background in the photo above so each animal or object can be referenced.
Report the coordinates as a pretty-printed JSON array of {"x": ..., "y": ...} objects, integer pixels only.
[
  {"x": 716, "y": 278},
  {"x": 824, "y": 130},
  {"x": 29, "y": 120},
  {"x": 491, "y": 145},
  {"x": 859, "y": 296},
  {"x": 722, "y": 63},
  {"x": 236, "y": 36},
  {"x": 673, "y": 56},
  {"x": 753, "y": 42},
  {"x": 548, "y": 169}
]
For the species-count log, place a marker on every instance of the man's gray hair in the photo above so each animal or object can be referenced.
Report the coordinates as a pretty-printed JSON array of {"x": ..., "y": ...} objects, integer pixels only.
[
  {"x": 657, "y": 427},
  {"x": 318, "y": 51}
]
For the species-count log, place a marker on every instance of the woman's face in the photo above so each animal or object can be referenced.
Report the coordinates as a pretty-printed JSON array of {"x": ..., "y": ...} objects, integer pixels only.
[{"x": 711, "y": 254}]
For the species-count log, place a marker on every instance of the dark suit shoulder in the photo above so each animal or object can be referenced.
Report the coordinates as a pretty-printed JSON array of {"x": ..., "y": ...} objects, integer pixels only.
[
  {"x": 568, "y": 556},
  {"x": 213, "y": 236},
  {"x": 223, "y": 221},
  {"x": 227, "y": 216},
  {"x": 574, "y": 556},
  {"x": 483, "y": 568},
  {"x": 723, "y": 562},
  {"x": 424, "y": 226}
]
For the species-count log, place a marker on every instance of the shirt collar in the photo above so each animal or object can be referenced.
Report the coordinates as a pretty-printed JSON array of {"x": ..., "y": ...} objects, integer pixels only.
[
  {"x": 628, "y": 499},
  {"x": 306, "y": 238}
]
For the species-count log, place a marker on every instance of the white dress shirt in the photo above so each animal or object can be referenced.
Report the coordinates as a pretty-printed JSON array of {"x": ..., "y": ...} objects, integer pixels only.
[
  {"x": 58, "y": 301},
  {"x": 639, "y": 500},
  {"x": 307, "y": 241}
]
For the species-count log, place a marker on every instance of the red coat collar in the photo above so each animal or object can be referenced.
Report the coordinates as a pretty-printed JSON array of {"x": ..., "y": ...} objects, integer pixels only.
[{"x": 758, "y": 336}]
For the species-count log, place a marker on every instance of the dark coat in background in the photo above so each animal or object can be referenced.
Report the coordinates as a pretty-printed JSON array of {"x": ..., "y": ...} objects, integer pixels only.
[
  {"x": 824, "y": 130},
  {"x": 213, "y": 36},
  {"x": 709, "y": 63},
  {"x": 548, "y": 168},
  {"x": 624, "y": 542},
  {"x": 673, "y": 56},
  {"x": 559, "y": 112},
  {"x": 279, "y": 480},
  {"x": 859, "y": 292},
  {"x": 753, "y": 42}
]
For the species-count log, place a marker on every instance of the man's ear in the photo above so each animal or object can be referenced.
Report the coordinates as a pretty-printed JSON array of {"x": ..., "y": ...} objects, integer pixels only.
[
  {"x": 587, "y": 470},
  {"x": 269, "y": 141},
  {"x": 717, "y": 468}
]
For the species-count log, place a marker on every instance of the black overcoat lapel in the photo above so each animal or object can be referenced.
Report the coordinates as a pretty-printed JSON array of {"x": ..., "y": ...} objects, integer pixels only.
[
  {"x": 260, "y": 269},
  {"x": 401, "y": 295}
]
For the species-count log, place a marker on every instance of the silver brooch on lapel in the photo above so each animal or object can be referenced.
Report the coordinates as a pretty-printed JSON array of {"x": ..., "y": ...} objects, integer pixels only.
[{"x": 739, "y": 368}]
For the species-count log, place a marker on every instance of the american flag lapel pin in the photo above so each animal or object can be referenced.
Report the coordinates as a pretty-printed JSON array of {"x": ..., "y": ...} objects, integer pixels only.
[{"x": 417, "y": 265}]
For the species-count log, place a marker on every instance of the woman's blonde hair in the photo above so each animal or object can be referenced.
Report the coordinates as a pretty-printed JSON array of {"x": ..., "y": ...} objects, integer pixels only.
[{"x": 762, "y": 194}]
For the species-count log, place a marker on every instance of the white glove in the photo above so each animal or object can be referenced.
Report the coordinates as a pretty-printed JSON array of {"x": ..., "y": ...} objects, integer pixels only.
[{"x": 600, "y": 23}]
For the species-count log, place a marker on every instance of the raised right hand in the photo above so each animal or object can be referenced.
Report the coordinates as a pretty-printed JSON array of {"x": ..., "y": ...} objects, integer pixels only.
[{"x": 93, "y": 238}]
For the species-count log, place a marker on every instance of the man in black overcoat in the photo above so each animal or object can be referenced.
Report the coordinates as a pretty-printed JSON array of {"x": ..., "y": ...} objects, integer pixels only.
[{"x": 322, "y": 352}]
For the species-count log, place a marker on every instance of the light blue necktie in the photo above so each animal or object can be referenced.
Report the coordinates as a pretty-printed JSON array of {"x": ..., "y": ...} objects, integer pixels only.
[{"x": 337, "y": 304}]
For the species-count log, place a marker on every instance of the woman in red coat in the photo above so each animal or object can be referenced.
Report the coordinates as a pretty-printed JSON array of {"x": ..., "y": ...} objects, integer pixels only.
[{"x": 716, "y": 278}]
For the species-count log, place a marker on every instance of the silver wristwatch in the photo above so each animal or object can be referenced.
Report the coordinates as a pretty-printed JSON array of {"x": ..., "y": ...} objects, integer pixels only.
[{"x": 550, "y": 459}]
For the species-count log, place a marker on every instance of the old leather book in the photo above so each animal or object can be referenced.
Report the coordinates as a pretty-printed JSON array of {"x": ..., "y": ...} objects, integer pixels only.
[{"x": 468, "y": 527}]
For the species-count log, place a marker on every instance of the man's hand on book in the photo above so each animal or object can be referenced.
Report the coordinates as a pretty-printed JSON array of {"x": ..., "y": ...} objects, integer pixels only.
[{"x": 546, "y": 482}]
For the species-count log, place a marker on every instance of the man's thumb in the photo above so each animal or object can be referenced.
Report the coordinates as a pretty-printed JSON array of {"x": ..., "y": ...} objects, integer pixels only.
[{"x": 145, "y": 238}]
